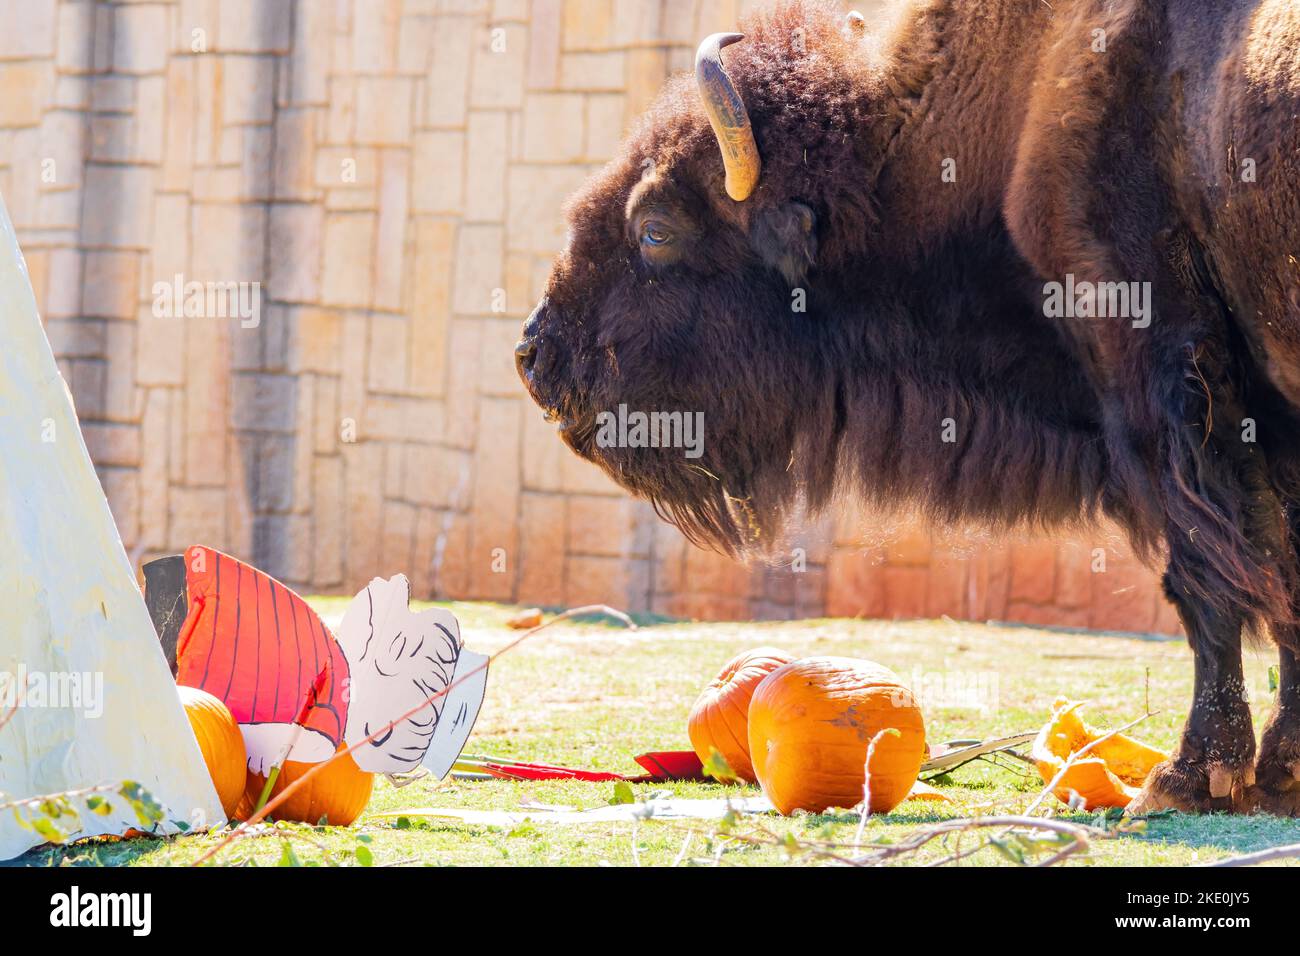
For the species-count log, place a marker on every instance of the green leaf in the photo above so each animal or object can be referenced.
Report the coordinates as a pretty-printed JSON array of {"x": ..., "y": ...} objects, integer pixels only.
[
  {"x": 47, "y": 829},
  {"x": 287, "y": 856},
  {"x": 1158, "y": 814},
  {"x": 403, "y": 823},
  {"x": 1050, "y": 840},
  {"x": 364, "y": 856},
  {"x": 147, "y": 810},
  {"x": 824, "y": 831},
  {"x": 718, "y": 768},
  {"x": 622, "y": 793},
  {"x": 1008, "y": 849}
]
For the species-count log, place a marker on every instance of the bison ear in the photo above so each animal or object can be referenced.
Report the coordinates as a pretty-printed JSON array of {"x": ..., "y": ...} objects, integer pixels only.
[{"x": 785, "y": 237}]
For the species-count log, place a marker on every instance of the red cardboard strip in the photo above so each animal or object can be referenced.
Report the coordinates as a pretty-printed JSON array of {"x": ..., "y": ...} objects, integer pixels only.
[{"x": 661, "y": 766}]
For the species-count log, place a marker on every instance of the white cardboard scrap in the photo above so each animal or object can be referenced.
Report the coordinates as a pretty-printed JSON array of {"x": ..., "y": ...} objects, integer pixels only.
[
  {"x": 459, "y": 711},
  {"x": 657, "y": 809}
]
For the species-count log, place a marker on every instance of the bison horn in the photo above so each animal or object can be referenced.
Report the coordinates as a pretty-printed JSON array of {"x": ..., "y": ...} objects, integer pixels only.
[{"x": 727, "y": 116}]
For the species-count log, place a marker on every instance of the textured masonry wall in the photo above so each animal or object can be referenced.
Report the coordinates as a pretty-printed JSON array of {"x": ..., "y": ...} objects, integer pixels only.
[{"x": 392, "y": 172}]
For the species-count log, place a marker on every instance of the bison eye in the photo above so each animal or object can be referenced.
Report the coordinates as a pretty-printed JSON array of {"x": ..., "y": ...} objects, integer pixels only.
[{"x": 654, "y": 234}]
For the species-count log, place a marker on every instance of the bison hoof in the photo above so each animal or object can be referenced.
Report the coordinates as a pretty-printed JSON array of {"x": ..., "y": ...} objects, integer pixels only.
[
  {"x": 1193, "y": 787},
  {"x": 1278, "y": 768},
  {"x": 1277, "y": 790}
]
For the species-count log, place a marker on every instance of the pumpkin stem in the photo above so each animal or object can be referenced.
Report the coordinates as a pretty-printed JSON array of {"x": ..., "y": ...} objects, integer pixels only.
[{"x": 266, "y": 788}]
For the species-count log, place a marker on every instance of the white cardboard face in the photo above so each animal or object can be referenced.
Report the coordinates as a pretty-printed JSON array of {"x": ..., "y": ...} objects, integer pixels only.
[
  {"x": 397, "y": 659},
  {"x": 459, "y": 712},
  {"x": 72, "y": 608}
]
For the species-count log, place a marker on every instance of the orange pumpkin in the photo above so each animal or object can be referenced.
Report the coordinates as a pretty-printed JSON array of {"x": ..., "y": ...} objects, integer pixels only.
[
  {"x": 1109, "y": 775},
  {"x": 720, "y": 718},
  {"x": 220, "y": 742},
  {"x": 338, "y": 793},
  {"x": 811, "y": 724}
]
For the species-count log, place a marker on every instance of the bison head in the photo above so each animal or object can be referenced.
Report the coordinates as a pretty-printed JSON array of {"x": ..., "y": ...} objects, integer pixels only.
[{"x": 697, "y": 276}]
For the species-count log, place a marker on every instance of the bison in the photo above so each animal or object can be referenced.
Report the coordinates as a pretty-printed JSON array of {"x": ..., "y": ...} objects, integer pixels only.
[{"x": 1008, "y": 262}]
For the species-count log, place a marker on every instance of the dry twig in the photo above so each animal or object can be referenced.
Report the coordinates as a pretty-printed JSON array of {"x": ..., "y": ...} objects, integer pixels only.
[{"x": 1288, "y": 851}]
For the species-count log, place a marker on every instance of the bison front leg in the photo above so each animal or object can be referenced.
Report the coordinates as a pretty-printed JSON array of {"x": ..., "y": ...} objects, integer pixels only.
[
  {"x": 1278, "y": 768},
  {"x": 1224, "y": 529},
  {"x": 1214, "y": 763}
]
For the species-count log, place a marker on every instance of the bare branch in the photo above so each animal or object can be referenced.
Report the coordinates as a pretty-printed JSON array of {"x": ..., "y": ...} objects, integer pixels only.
[{"x": 1259, "y": 856}]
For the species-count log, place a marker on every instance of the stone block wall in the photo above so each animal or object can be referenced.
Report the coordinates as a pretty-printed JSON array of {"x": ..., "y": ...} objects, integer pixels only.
[
  {"x": 897, "y": 569},
  {"x": 390, "y": 174}
]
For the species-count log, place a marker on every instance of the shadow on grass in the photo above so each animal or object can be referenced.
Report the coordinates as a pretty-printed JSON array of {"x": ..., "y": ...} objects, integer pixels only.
[
  {"x": 1222, "y": 832},
  {"x": 1089, "y": 632},
  {"x": 1230, "y": 833},
  {"x": 640, "y": 618},
  {"x": 122, "y": 853},
  {"x": 908, "y": 817}
]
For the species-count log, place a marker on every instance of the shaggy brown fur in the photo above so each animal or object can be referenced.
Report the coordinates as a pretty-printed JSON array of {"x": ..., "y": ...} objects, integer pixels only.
[{"x": 1148, "y": 141}]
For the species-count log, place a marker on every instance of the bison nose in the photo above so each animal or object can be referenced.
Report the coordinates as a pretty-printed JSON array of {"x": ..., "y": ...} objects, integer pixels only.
[
  {"x": 526, "y": 350},
  {"x": 533, "y": 324},
  {"x": 525, "y": 356}
]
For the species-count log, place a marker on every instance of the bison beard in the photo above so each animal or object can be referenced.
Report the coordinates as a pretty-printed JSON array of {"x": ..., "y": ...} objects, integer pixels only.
[{"x": 860, "y": 273}]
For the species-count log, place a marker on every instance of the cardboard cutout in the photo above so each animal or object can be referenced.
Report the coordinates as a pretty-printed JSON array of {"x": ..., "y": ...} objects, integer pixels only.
[
  {"x": 250, "y": 641},
  {"x": 85, "y": 697},
  {"x": 299, "y": 692}
]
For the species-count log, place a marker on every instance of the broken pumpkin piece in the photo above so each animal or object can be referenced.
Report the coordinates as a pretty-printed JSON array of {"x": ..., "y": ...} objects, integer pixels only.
[
  {"x": 923, "y": 791},
  {"x": 526, "y": 620},
  {"x": 1108, "y": 775}
]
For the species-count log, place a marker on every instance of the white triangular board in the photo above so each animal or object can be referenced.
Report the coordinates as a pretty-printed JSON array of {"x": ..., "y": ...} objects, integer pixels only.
[{"x": 69, "y": 604}]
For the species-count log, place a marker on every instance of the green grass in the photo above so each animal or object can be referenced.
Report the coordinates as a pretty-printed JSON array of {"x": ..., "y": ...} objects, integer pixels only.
[{"x": 592, "y": 695}]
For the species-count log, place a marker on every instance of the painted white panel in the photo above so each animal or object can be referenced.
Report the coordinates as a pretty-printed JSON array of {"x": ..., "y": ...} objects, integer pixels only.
[{"x": 69, "y": 603}]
